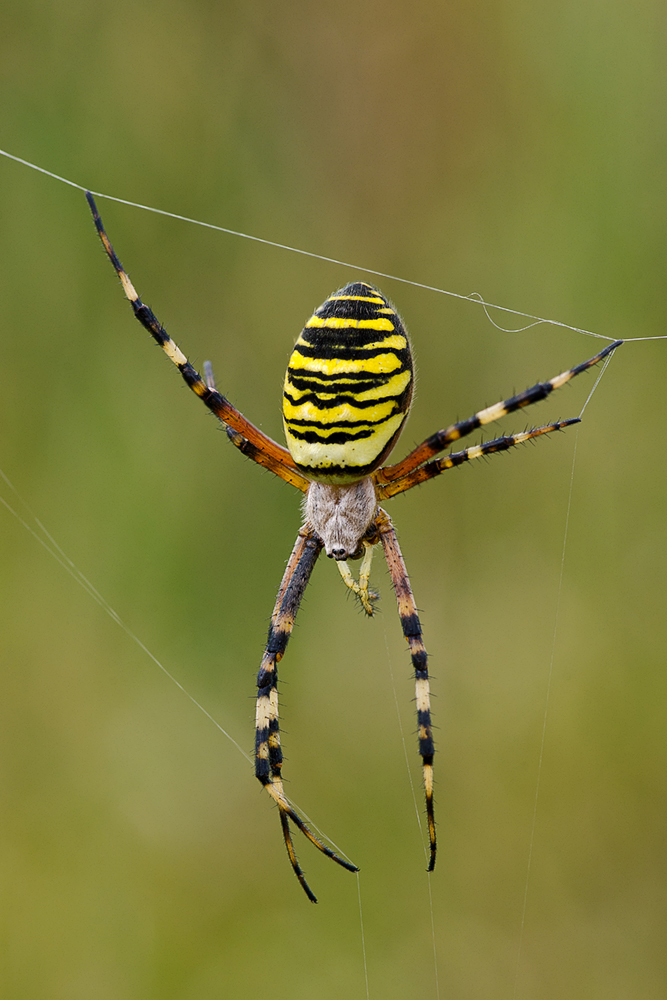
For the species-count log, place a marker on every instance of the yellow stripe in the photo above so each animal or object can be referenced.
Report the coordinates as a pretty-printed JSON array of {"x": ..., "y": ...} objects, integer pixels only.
[
  {"x": 326, "y": 432},
  {"x": 336, "y": 414},
  {"x": 381, "y": 364},
  {"x": 356, "y": 298},
  {"x": 363, "y": 451},
  {"x": 174, "y": 353},
  {"x": 128, "y": 287},
  {"x": 394, "y": 343},
  {"x": 263, "y": 712},
  {"x": 342, "y": 323},
  {"x": 491, "y": 413},
  {"x": 560, "y": 380},
  {"x": 394, "y": 387},
  {"x": 422, "y": 695}
]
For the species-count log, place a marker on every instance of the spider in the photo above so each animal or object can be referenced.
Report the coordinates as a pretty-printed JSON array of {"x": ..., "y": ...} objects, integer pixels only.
[{"x": 347, "y": 394}]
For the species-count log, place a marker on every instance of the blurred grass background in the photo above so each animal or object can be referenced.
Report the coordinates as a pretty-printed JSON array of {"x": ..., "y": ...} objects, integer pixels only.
[{"x": 512, "y": 148}]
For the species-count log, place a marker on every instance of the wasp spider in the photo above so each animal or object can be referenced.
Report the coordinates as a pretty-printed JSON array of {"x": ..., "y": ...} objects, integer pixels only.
[{"x": 347, "y": 393}]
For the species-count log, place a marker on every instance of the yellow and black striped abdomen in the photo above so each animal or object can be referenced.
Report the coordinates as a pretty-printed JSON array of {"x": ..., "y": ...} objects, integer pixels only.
[{"x": 348, "y": 386}]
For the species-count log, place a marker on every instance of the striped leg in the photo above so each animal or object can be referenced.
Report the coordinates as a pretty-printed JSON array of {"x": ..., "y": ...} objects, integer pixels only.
[
  {"x": 431, "y": 469},
  {"x": 244, "y": 435},
  {"x": 439, "y": 441},
  {"x": 268, "y": 752},
  {"x": 413, "y": 633}
]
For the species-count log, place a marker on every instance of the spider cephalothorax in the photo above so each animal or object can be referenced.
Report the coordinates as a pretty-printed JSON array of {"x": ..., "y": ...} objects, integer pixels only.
[
  {"x": 347, "y": 393},
  {"x": 341, "y": 515}
]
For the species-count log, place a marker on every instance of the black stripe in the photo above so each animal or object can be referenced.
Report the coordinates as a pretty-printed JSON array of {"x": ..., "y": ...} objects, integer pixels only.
[
  {"x": 311, "y": 437},
  {"x": 353, "y": 309},
  {"x": 356, "y": 288},
  {"x": 190, "y": 374},
  {"x": 347, "y": 336},
  {"x": 340, "y": 385},
  {"x": 277, "y": 639},
  {"x": 261, "y": 766},
  {"x": 419, "y": 662},
  {"x": 275, "y": 752},
  {"x": 411, "y": 625},
  {"x": 266, "y": 679},
  {"x": 334, "y": 352},
  {"x": 373, "y": 379},
  {"x": 334, "y": 471},
  {"x": 341, "y": 425},
  {"x": 340, "y": 400},
  {"x": 147, "y": 318},
  {"x": 440, "y": 440}
]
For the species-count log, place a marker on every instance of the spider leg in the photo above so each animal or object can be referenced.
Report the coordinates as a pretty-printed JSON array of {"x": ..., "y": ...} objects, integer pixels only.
[
  {"x": 441, "y": 439},
  {"x": 244, "y": 435},
  {"x": 268, "y": 751},
  {"x": 412, "y": 631},
  {"x": 209, "y": 377},
  {"x": 431, "y": 469},
  {"x": 365, "y": 595}
]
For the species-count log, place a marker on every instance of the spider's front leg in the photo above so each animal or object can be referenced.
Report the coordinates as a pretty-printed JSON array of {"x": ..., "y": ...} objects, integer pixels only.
[
  {"x": 407, "y": 610},
  {"x": 268, "y": 752},
  {"x": 393, "y": 479},
  {"x": 241, "y": 432}
]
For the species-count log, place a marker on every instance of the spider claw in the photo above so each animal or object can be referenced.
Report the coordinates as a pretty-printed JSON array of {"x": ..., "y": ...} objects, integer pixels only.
[
  {"x": 368, "y": 600},
  {"x": 274, "y": 788},
  {"x": 298, "y": 871},
  {"x": 308, "y": 833}
]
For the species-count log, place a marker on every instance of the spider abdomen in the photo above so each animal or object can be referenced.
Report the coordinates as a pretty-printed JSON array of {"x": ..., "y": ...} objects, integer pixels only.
[{"x": 348, "y": 386}]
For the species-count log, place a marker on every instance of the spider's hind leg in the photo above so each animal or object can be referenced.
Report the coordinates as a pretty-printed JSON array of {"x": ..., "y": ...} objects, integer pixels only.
[
  {"x": 268, "y": 751},
  {"x": 412, "y": 631}
]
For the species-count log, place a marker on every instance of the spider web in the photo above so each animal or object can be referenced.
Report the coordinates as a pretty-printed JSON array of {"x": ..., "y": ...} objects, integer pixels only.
[{"x": 39, "y": 532}]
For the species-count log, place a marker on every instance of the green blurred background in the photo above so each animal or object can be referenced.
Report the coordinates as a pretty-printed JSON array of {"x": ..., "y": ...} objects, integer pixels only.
[{"x": 509, "y": 147}]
